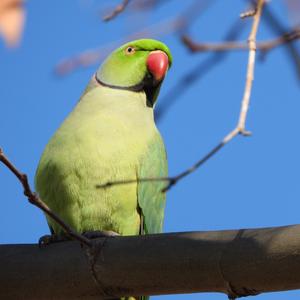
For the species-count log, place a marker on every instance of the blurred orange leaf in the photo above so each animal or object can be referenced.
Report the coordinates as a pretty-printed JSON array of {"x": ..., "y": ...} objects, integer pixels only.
[{"x": 12, "y": 17}]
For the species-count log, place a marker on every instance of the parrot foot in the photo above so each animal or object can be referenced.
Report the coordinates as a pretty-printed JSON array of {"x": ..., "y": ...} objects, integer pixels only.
[
  {"x": 48, "y": 239},
  {"x": 99, "y": 234}
]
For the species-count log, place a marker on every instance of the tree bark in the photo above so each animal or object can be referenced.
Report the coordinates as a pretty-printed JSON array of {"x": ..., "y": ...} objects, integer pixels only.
[{"x": 235, "y": 262}]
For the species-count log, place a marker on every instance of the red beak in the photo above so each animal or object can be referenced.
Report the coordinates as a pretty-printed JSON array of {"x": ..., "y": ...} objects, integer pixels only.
[{"x": 157, "y": 64}]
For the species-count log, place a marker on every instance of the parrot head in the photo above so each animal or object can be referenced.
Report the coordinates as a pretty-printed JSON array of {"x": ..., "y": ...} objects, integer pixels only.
[{"x": 139, "y": 65}]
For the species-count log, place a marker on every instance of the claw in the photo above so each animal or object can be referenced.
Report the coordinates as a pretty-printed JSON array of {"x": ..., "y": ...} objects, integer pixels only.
[{"x": 48, "y": 239}]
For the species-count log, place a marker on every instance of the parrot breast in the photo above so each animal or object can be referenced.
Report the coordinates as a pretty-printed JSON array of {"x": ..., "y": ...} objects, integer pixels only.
[{"x": 105, "y": 139}]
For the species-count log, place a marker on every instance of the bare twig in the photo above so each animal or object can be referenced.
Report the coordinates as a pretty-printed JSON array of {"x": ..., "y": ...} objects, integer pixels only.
[
  {"x": 240, "y": 127},
  {"x": 118, "y": 9},
  {"x": 34, "y": 199},
  {"x": 192, "y": 76},
  {"x": 276, "y": 25},
  {"x": 94, "y": 56},
  {"x": 241, "y": 124},
  {"x": 248, "y": 13},
  {"x": 146, "y": 5},
  {"x": 129, "y": 181},
  {"x": 232, "y": 45},
  {"x": 176, "y": 24}
]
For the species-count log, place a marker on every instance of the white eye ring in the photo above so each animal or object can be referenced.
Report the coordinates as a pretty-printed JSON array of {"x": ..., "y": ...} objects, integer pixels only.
[{"x": 129, "y": 50}]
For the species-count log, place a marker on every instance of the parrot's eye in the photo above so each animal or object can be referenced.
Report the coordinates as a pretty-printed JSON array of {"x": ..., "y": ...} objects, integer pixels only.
[{"x": 129, "y": 50}]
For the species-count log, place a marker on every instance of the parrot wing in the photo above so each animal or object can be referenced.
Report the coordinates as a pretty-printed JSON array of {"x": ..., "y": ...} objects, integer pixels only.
[{"x": 151, "y": 199}]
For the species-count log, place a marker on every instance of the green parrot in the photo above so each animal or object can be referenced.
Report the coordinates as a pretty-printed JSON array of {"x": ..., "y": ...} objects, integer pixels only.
[{"x": 110, "y": 136}]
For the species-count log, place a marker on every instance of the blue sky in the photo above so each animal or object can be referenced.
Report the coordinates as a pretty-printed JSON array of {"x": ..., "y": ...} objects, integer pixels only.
[{"x": 253, "y": 182}]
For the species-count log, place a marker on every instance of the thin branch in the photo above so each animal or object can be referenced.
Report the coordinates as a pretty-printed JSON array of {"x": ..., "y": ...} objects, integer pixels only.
[
  {"x": 248, "y": 13},
  {"x": 192, "y": 13},
  {"x": 250, "y": 68},
  {"x": 276, "y": 25},
  {"x": 146, "y": 5},
  {"x": 92, "y": 56},
  {"x": 129, "y": 181},
  {"x": 34, "y": 199},
  {"x": 118, "y": 9},
  {"x": 198, "y": 72},
  {"x": 240, "y": 127},
  {"x": 232, "y": 45}
]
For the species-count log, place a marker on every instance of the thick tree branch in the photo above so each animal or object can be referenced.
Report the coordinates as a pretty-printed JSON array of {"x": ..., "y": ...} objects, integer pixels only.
[
  {"x": 34, "y": 199},
  {"x": 235, "y": 262}
]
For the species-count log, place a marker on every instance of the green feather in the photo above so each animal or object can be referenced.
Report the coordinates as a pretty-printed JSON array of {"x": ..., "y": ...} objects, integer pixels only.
[
  {"x": 101, "y": 141},
  {"x": 122, "y": 70},
  {"x": 109, "y": 136},
  {"x": 151, "y": 199}
]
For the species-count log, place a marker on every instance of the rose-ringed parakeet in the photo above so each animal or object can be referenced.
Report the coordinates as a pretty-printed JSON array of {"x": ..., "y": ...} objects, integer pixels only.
[{"x": 110, "y": 136}]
